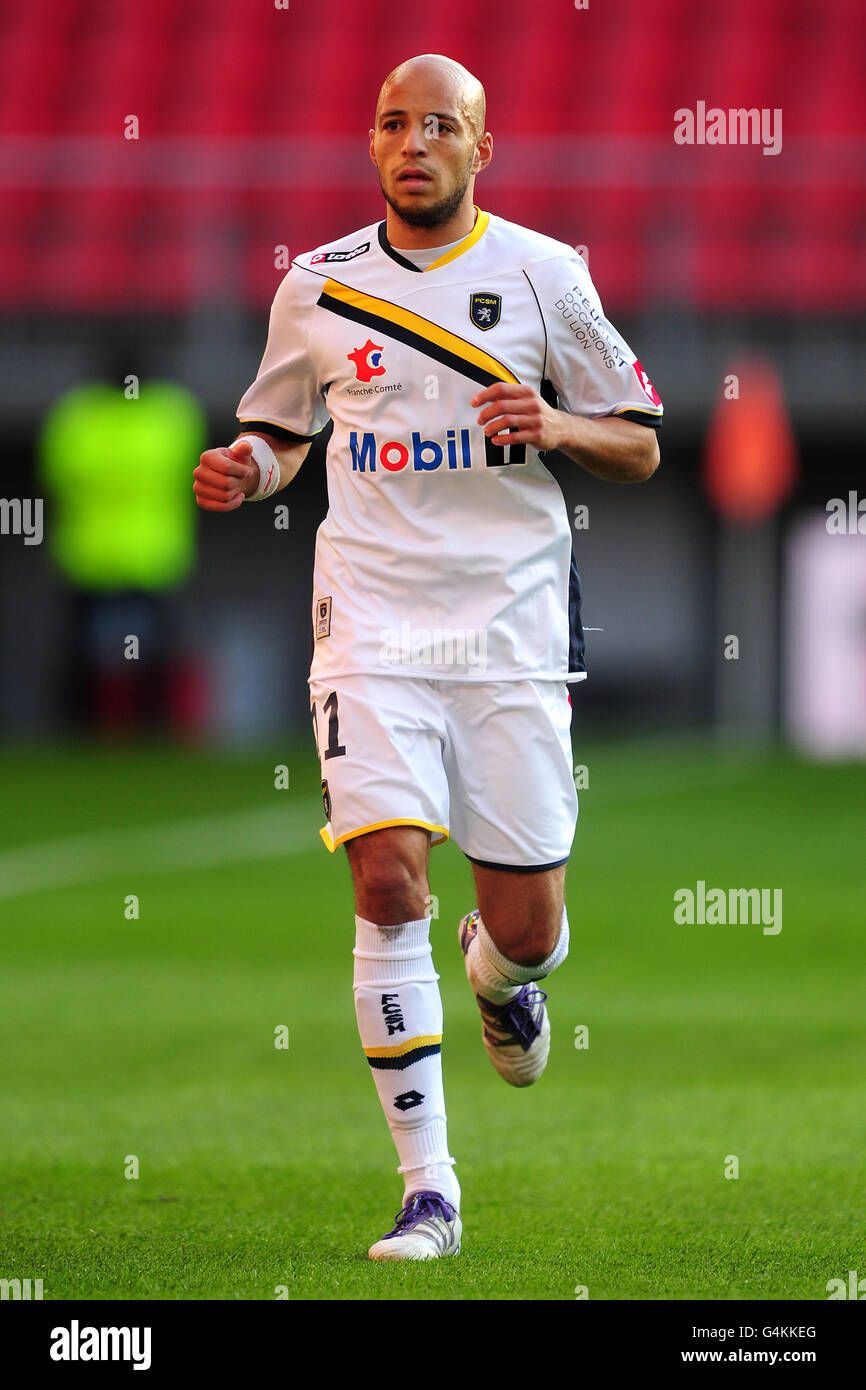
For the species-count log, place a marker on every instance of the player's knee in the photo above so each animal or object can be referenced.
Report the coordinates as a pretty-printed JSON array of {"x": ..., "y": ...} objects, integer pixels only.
[
  {"x": 534, "y": 947},
  {"x": 390, "y": 891},
  {"x": 530, "y": 943},
  {"x": 389, "y": 870}
]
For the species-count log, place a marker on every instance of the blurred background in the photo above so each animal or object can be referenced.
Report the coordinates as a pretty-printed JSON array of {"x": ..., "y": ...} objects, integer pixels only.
[
  {"x": 161, "y": 164},
  {"x": 167, "y": 905}
]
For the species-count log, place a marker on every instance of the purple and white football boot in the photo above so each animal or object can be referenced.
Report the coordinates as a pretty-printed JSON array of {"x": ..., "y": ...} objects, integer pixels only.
[
  {"x": 516, "y": 1035},
  {"x": 427, "y": 1228}
]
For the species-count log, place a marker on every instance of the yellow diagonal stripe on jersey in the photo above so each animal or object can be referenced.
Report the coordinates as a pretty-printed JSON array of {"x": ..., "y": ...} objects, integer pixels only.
[
  {"x": 478, "y": 230},
  {"x": 428, "y": 337},
  {"x": 398, "y": 1050}
]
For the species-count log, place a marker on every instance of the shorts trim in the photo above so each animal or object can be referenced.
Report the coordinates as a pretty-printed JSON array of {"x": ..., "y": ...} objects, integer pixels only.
[
  {"x": 332, "y": 844},
  {"x": 519, "y": 868}
]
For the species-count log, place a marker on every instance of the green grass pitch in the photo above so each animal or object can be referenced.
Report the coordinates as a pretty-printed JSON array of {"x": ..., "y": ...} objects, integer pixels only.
[{"x": 262, "y": 1167}]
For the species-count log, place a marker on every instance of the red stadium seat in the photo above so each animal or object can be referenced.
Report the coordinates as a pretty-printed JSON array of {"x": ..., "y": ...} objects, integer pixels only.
[{"x": 720, "y": 225}]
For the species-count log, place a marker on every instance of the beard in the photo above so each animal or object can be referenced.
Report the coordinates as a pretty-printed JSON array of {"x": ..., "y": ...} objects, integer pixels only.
[{"x": 434, "y": 215}]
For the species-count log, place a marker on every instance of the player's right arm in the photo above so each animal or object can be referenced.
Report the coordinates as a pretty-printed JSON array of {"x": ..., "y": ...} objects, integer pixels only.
[
  {"x": 287, "y": 393},
  {"x": 224, "y": 477}
]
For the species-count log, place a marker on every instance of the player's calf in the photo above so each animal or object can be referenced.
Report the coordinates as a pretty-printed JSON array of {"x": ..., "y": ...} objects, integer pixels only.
[
  {"x": 522, "y": 912},
  {"x": 399, "y": 1013}
]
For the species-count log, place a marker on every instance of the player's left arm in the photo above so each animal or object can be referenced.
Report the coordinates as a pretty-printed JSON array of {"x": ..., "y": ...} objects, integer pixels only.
[{"x": 610, "y": 447}]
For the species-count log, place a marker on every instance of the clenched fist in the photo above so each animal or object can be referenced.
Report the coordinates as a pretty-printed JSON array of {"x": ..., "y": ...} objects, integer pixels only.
[{"x": 224, "y": 477}]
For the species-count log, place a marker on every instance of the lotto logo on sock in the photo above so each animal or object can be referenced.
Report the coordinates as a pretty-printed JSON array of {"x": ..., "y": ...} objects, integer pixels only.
[
  {"x": 392, "y": 1014},
  {"x": 408, "y": 1100}
]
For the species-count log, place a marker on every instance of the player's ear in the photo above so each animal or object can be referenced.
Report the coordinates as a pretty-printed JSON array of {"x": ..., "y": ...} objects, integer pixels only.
[
  {"x": 372, "y": 139},
  {"x": 483, "y": 152}
]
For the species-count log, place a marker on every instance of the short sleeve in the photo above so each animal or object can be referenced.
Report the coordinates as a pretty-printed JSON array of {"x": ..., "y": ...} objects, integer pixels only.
[
  {"x": 590, "y": 365},
  {"x": 286, "y": 392}
]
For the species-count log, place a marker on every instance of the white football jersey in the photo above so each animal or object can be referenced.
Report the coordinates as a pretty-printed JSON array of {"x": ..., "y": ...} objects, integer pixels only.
[{"x": 442, "y": 555}]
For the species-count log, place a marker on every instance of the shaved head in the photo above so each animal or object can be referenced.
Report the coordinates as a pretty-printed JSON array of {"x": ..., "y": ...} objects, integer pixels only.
[
  {"x": 428, "y": 145},
  {"x": 465, "y": 90}
]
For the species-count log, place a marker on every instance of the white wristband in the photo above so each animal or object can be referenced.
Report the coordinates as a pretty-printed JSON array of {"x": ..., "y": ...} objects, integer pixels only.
[{"x": 268, "y": 465}]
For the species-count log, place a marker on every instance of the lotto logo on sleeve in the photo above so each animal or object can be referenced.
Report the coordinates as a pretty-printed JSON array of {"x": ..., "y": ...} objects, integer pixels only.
[
  {"x": 339, "y": 255},
  {"x": 645, "y": 384}
]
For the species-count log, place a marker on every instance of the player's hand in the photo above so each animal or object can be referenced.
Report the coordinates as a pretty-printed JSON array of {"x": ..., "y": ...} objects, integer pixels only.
[
  {"x": 224, "y": 477},
  {"x": 512, "y": 406}
]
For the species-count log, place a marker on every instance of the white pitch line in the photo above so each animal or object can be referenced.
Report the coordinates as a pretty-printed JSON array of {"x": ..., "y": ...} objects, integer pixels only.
[
  {"x": 169, "y": 847},
  {"x": 235, "y": 837}
]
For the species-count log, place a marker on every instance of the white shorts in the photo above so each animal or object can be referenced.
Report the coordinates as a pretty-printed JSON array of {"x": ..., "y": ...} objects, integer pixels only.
[{"x": 488, "y": 764}]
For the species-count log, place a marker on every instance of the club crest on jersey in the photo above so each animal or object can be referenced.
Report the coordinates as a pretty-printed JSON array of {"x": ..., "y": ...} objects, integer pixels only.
[
  {"x": 485, "y": 309},
  {"x": 367, "y": 360}
]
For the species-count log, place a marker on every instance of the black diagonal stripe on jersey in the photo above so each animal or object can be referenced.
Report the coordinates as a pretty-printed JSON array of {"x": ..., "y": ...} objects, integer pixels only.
[
  {"x": 418, "y": 333},
  {"x": 395, "y": 255}
]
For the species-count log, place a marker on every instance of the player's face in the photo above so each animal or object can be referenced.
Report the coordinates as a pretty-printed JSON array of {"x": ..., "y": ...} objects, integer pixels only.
[{"x": 425, "y": 151}]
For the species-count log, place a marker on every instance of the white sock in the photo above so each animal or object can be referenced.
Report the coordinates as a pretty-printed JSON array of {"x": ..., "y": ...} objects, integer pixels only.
[
  {"x": 399, "y": 1013},
  {"x": 499, "y": 979}
]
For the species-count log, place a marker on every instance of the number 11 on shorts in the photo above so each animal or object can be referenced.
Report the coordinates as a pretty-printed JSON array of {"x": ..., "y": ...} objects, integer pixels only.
[{"x": 331, "y": 707}]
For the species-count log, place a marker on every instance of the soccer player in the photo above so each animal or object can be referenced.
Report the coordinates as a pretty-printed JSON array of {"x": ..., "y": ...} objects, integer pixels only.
[{"x": 453, "y": 350}]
